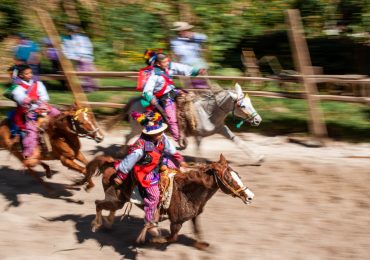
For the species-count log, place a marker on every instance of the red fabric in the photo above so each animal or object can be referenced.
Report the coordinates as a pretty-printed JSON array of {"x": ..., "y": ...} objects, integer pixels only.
[
  {"x": 141, "y": 170},
  {"x": 144, "y": 74},
  {"x": 20, "y": 111},
  {"x": 18, "y": 118},
  {"x": 167, "y": 81},
  {"x": 143, "y": 77},
  {"x": 33, "y": 93}
]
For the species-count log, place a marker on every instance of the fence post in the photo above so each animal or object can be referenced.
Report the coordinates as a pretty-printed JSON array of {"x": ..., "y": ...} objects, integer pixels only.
[
  {"x": 67, "y": 67},
  {"x": 303, "y": 64}
]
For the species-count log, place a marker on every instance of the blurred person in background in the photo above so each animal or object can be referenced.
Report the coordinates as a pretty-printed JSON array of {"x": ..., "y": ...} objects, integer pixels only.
[
  {"x": 78, "y": 48},
  {"x": 27, "y": 52},
  {"x": 187, "y": 49},
  {"x": 159, "y": 90},
  {"x": 51, "y": 54}
]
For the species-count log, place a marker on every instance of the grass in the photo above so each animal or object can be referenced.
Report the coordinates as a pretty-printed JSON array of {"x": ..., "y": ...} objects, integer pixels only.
[{"x": 344, "y": 121}]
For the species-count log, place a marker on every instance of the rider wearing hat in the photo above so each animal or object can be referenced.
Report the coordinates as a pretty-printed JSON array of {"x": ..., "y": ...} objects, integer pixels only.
[
  {"x": 145, "y": 157},
  {"x": 159, "y": 87}
]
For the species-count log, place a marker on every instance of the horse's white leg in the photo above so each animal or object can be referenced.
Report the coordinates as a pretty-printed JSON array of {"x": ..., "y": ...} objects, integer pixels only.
[
  {"x": 256, "y": 158},
  {"x": 97, "y": 222},
  {"x": 110, "y": 219},
  {"x": 198, "y": 141}
]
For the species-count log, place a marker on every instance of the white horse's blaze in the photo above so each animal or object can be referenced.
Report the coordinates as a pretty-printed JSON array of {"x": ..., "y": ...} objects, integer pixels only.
[
  {"x": 237, "y": 179},
  {"x": 249, "y": 193}
]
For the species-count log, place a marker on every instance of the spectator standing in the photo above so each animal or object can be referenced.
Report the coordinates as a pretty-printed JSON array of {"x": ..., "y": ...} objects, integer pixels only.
[
  {"x": 187, "y": 49},
  {"x": 78, "y": 48}
]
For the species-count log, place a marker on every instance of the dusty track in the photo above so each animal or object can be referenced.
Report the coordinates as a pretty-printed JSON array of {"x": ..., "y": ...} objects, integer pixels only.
[{"x": 311, "y": 203}]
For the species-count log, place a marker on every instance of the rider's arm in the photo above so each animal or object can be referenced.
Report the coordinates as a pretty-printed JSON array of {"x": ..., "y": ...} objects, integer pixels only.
[
  {"x": 130, "y": 160},
  {"x": 170, "y": 148},
  {"x": 19, "y": 95},
  {"x": 42, "y": 92},
  {"x": 183, "y": 69},
  {"x": 199, "y": 37}
]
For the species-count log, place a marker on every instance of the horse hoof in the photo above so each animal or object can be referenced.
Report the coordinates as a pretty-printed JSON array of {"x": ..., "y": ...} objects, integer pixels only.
[
  {"x": 89, "y": 187},
  {"x": 94, "y": 227},
  {"x": 158, "y": 240},
  {"x": 48, "y": 174},
  {"x": 201, "y": 245}
]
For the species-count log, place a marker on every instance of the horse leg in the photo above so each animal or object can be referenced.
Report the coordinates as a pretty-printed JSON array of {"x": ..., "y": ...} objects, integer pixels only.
[
  {"x": 110, "y": 219},
  {"x": 175, "y": 228},
  {"x": 81, "y": 157},
  {"x": 97, "y": 222},
  {"x": 256, "y": 158},
  {"x": 198, "y": 141},
  {"x": 199, "y": 244},
  {"x": 47, "y": 169}
]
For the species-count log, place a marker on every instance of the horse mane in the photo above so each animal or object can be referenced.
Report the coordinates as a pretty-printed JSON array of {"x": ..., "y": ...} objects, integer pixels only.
[{"x": 202, "y": 175}]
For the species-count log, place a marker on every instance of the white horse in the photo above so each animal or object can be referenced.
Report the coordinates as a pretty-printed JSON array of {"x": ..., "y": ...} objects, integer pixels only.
[{"x": 211, "y": 110}]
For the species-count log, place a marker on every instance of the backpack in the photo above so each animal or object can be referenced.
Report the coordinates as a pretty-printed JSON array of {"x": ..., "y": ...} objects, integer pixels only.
[{"x": 143, "y": 77}]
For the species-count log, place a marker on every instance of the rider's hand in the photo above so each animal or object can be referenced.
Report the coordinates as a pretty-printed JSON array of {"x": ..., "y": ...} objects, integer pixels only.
[
  {"x": 184, "y": 164},
  {"x": 202, "y": 72}
]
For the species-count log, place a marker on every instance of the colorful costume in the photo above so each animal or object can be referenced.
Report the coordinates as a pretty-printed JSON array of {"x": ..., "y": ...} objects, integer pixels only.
[
  {"x": 31, "y": 97},
  {"x": 144, "y": 159},
  {"x": 160, "y": 85}
]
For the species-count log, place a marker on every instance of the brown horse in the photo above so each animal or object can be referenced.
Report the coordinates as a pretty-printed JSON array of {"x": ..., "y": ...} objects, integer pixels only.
[
  {"x": 63, "y": 132},
  {"x": 191, "y": 191}
]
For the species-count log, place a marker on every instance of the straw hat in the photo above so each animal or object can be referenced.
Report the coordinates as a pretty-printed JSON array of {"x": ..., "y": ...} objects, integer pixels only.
[{"x": 181, "y": 26}]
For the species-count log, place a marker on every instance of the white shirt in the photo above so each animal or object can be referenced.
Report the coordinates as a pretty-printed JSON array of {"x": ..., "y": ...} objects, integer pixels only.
[
  {"x": 155, "y": 82},
  {"x": 20, "y": 93}
]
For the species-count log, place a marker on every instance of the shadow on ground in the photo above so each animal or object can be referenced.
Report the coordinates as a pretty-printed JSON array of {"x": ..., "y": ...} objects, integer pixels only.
[
  {"x": 121, "y": 237},
  {"x": 14, "y": 183}
]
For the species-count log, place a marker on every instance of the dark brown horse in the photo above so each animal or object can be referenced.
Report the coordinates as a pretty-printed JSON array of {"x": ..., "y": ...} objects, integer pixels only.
[
  {"x": 63, "y": 132},
  {"x": 191, "y": 191}
]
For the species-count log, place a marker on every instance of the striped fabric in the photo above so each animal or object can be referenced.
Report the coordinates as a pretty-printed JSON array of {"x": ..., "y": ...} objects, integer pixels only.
[{"x": 151, "y": 199}]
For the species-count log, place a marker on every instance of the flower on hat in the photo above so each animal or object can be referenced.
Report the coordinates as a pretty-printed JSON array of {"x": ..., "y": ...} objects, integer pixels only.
[{"x": 152, "y": 122}]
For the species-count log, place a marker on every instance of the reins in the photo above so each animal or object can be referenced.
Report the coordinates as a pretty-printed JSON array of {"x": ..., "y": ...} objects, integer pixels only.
[{"x": 235, "y": 192}]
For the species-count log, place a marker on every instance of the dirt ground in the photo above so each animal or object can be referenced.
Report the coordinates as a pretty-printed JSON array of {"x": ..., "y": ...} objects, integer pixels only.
[{"x": 310, "y": 203}]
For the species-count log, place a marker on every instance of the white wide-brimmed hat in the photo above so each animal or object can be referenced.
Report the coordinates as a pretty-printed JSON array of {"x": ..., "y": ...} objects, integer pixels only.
[{"x": 181, "y": 26}]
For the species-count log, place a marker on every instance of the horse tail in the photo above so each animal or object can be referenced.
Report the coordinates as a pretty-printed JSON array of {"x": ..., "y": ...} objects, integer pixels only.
[
  {"x": 122, "y": 115},
  {"x": 95, "y": 167}
]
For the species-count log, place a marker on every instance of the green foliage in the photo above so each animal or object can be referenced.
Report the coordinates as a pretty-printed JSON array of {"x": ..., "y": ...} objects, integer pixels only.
[{"x": 10, "y": 17}]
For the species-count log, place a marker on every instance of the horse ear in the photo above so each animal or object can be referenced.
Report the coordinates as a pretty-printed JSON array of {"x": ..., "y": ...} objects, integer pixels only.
[
  {"x": 239, "y": 90},
  {"x": 222, "y": 160}
]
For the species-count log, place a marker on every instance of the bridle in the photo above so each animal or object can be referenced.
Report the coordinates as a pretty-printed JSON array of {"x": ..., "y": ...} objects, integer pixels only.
[
  {"x": 248, "y": 119},
  {"x": 75, "y": 124},
  {"x": 235, "y": 193}
]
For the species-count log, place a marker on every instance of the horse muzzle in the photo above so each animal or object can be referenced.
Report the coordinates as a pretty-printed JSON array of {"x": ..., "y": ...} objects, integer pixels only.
[
  {"x": 249, "y": 195},
  {"x": 256, "y": 121}
]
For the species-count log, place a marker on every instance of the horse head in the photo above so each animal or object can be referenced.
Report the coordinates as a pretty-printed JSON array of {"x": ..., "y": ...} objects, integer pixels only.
[
  {"x": 230, "y": 182},
  {"x": 84, "y": 125},
  {"x": 243, "y": 107}
]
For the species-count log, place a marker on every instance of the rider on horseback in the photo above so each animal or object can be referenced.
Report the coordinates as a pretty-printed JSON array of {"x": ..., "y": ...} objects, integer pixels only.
[
  {"x": 159, "y": 90},
  {"x": 31, "y": 97},
  {"x": 145, "y": 157}
]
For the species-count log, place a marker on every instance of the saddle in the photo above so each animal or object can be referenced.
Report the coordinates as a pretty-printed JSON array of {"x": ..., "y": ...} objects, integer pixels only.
[
  {"x": 185, "y": 113},
  {"x": 165, "y": 187}
]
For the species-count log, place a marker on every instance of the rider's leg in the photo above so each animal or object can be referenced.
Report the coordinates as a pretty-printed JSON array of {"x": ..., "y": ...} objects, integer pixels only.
[
  {"x": 30, "y": 139},
  {"x": 170, "y": 108},
  {"x": 53, "y": 112},
  {"x": 151, "y": 201}
]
